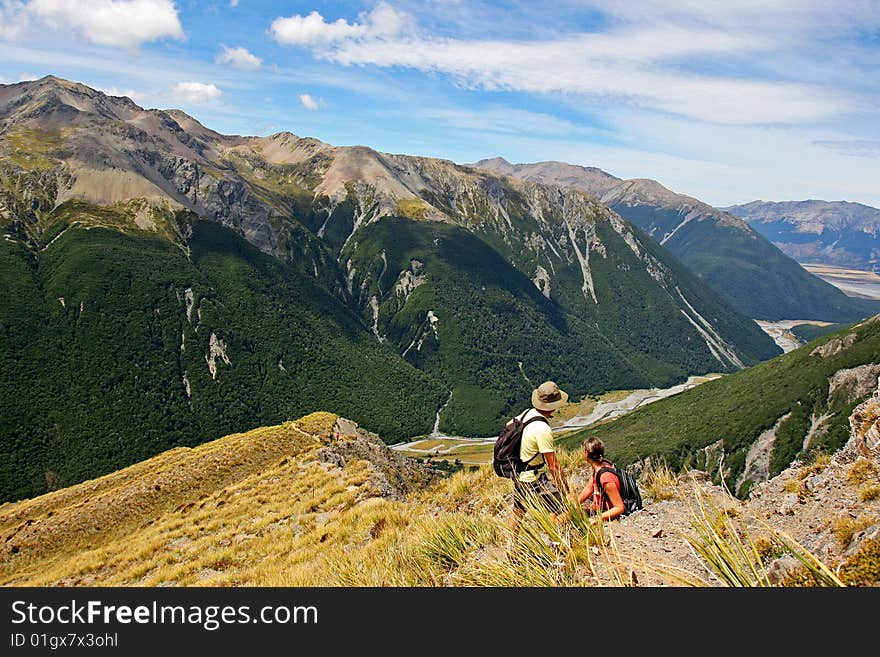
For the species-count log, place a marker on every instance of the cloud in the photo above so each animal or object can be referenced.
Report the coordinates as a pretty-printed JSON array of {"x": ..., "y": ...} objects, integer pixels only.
[
  {"x": 634, "y": 63},
  {"x": 312, "y": 30},
  {"x": 854, "y": 147},
  {"x": 239, "y": 58},
  {"x": 309, "y": 103},
  {"x": 503, "y": 120},
  {"x": 127, "y": 23},
  {"x": 195, "y": 92},
  {"x": 233, "y": 3}
]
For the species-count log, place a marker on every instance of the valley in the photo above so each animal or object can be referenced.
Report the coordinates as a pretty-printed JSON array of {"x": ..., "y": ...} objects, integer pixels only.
[
  {"x": 854, "y": 282},
  {"x": 588, "y": 412},
  {"x": 781, "y": 331}
]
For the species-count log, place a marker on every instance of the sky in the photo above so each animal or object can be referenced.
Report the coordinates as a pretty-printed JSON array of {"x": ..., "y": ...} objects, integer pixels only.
[{"x": 726, "y": 101}]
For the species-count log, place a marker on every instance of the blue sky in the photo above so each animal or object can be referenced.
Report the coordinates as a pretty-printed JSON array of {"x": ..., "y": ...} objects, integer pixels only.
[{"x": 725, "y": 101}]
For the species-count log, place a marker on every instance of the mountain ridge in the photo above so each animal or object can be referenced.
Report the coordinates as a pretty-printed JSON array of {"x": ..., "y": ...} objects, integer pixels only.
[
  {"x": 839, "y": 233},
  {"x": 722, "y": 249},
  {"x": 91, "y": 184}
]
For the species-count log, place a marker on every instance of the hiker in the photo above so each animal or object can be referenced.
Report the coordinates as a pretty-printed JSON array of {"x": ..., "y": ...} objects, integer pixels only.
[
  {"x": 537, "y": 450},
  {"x": 606, "y": 501}
]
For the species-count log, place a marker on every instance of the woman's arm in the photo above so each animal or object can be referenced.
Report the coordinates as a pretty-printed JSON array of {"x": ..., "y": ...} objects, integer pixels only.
[{"x": 616, "y": 500}]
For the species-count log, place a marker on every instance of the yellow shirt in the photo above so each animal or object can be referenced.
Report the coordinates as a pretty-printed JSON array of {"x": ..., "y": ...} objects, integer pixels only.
[{"x": 537, "y": 439}]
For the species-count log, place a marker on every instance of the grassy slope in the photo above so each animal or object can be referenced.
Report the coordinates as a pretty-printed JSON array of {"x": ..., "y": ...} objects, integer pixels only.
[
  {"x": 98, "y": 382},
  {"x": 737, "y": 408},
  {"x": 748, "y": 271}
]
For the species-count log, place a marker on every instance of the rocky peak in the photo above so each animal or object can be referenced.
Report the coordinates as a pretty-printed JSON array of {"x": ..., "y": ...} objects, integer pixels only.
[{"x": 592, "y": 180}]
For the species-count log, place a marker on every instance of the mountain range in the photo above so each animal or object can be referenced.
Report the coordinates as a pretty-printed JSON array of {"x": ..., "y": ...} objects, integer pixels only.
[
  {"x": 823, "y": 232},
  {"x": 169, "y": 285},
  {"x": 737, "y": 261}
]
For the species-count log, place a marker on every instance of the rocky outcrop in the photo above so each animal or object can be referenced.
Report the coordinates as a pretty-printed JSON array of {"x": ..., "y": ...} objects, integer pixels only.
[
  {"x": 393, "y": 475},
  {"x": 865, "y": 425}
]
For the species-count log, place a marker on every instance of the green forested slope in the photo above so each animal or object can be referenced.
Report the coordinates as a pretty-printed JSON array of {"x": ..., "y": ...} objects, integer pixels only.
[
  {"x": 747, "y": 270},
  {"x": 495, "y": 336},
  {"x": 100, "y": 381},
  {"x": 737, "y": 408}
]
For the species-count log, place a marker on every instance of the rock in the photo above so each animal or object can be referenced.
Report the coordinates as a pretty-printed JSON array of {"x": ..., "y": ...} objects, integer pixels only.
[
  {"x": 788, "y": 504},
  {"x": 657, "y": 533},
  {"x": 781, "y": 568},
  {"x": 814, "y": 482}
]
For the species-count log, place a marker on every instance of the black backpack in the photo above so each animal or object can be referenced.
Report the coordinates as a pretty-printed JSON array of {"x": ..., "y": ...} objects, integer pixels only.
[
  {"x": 506, "y": 461},
  {"x": 629, "y": 489}
]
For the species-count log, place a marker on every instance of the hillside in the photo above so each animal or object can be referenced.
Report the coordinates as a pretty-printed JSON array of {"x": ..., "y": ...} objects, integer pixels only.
[
  {"x": 822, "y": 232},
  {"x": 320, "y": 502},
  {"x": 132, "y": 235},
  {"x": 743, "y": 267},
  {"x": 751, "y": 425},
  {"x": 118, "y": 346}
]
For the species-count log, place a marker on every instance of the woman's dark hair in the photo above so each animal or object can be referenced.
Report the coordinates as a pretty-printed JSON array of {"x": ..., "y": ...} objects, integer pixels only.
[{"x": 595, "y": 448}]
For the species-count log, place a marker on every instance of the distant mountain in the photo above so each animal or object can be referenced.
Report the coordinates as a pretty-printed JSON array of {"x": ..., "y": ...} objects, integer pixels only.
[
  {"x": 735, "y": 260},
  {"x": 171, "y": 284},
  {"x": 823, "y": 232},
  {"x": 567, "y": 176}
]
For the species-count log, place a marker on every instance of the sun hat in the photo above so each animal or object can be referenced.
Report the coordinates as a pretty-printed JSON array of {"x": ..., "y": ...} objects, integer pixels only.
[{"x": 548, "y": 396}]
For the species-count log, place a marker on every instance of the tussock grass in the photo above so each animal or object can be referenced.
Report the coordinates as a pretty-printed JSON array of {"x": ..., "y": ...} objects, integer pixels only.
[
  {"x": 862, "y": 472},
  {"x": 735, "y": 555},
  {"x": 180, "y": 483},
  {"x": 845, "y": 528},
  {"x": 819, "y": 463},
  {"x": 659, "y": 481}
]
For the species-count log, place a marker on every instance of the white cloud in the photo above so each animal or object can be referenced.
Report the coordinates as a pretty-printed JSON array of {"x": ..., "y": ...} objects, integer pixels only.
[
  {"x": 115, "y": 91},
  {"x": 853, "y": 147},
  {"x": 312, "y": 30},
  {"x": 195, "y": 92},
  {"x": 239, "y": 58},
  {"x": 125, "y": 23},
  {"x": 634, "y": 64},
  {"x": 503, "y": 120},
  {"x": 233, "y": 3},
  {"x": 309, "y": 103}
]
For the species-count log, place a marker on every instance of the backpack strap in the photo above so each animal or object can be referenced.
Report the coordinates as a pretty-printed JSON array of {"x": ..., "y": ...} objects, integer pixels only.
[
  {"x": 539, "y": 418},
  {"x": 598, "y": 486}
]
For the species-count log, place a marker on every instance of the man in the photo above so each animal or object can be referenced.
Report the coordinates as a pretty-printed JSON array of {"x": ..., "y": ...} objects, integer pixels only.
[{"x": 537, "y": 449}]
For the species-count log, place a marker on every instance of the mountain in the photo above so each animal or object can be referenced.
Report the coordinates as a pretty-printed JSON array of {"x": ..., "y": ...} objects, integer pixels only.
[
  {"x": 560, "y": 174},
  {"x": 721, "y": 249},
  {"x": 823, "y": 232},
  {"x": 171, "y": 284},
  {"x": 321, "y": 502},
  {"x": 753, "y": 424}
]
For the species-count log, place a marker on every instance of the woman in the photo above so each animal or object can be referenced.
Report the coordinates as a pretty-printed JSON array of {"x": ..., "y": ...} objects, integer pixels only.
[{"x": 605, "y": 501}]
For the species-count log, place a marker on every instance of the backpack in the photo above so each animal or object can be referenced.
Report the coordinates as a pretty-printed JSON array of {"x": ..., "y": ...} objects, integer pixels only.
[
  {"x": 506, "y": 461},
  {"x": 629, "y": 489}
]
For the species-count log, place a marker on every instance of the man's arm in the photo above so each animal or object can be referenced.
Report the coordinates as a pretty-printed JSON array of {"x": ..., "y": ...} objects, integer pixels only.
[{"x": 556, "y": 472}]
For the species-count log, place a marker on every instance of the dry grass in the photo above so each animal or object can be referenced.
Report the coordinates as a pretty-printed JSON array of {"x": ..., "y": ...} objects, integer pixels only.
[
  {"x": 869, "y": 493},
  {"x": 659, "y": 482},
  {"x": 735, "y": 554},
  {"x": 862, "y": 472},
  {"x": 846, "y": 527}
]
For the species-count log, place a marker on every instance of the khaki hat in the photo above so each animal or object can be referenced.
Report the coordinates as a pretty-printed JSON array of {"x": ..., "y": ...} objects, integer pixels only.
[{"x": 548, "y": 396}]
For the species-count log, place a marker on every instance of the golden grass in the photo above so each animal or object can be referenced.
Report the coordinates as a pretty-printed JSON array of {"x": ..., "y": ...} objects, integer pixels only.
[
  {"x": 31, "y": 148},
  {"x": 182, "y": 483},
  {"x": 736, "y": 555},
  {"x": 846, "y": 527},
  {"x": 861, "y": 472},
  {"x": 659, "y": 482},
  {"x": 869, "y": 493},
  {"x": 262, "y": 509}
]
